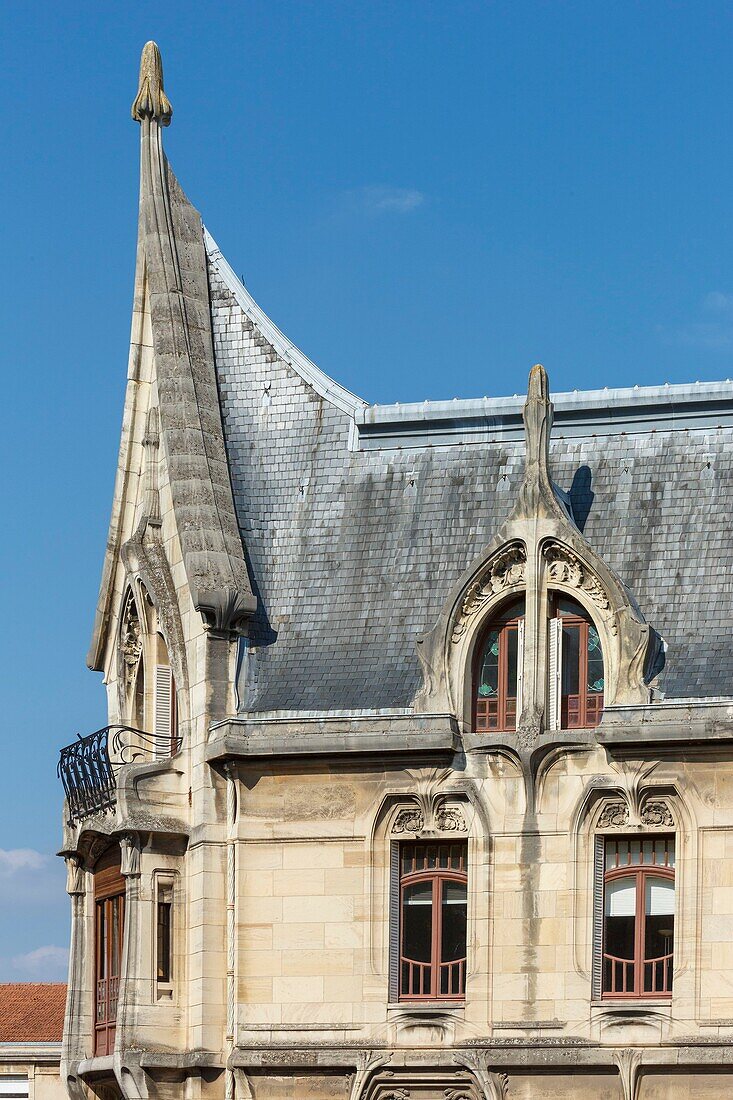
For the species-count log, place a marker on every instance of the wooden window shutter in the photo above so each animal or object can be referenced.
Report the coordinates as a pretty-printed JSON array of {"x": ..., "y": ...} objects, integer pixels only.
[
  {"x": 163, "y": 711},
  {"x": 599, "y": 854},
  {"x": 555, "y": 673},
  {"x": 520, "y": 669},
  {"x": 394, "y": 922}
]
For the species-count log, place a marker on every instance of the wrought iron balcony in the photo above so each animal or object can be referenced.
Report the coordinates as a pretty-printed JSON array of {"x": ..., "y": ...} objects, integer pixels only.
[{"x": 88, "y": 768}]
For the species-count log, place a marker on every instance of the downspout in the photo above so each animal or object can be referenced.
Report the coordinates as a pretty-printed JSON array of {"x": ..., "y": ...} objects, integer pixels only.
[{"x": 231, "y": 777}]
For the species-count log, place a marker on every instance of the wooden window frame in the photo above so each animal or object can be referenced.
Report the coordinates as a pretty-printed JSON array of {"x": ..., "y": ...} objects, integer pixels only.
[
  {"x": 589, "y": 704},
  {"x": 640, "y": 873},
  {"x": 437, "y": 877},
  {"x": 109, "y": 899},
  {"x": 507, "y": 718}
]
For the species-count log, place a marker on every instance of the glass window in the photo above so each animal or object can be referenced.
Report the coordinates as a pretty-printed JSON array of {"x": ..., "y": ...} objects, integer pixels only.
[
  {"x": 164, "y": 941},
  {"x": 581, "y": 667},
  {"x": 497, "y": 672},
  {"x": 638, "y": 920},
  {"x": 433, "y": 907}
]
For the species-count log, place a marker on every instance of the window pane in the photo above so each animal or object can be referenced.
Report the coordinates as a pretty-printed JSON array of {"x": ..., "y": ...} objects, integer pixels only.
[
  {"x": 595, "y": 661},
  {"x": 102, "y": 941},
  {"x": 512, "y": 638},
  {"x": 659, "y": 897},
  {"x": 116, "y": 946},
  {"x": 164, "y": 941},
  {"x": 621, "y": 898},
  {"x": 454, "y": 908},
  {"x": 489, "y": 678},
  {"x": 570, "y": 659},
  {"x": 417, "y": 921}
]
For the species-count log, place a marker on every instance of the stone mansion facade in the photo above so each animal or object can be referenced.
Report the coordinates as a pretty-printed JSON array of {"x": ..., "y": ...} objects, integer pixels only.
[{"x": 418, "y": 778}]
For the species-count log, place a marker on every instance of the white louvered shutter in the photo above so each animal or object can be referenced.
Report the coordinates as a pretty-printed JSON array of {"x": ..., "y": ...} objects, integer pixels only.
[
  {"x": 163, "y": 709},
  {"x": 598, "y": 866},
  {"x": 555, "y": 672},
  {"x": 394, "y": 922},
  {"x": 520, "y": 668}
]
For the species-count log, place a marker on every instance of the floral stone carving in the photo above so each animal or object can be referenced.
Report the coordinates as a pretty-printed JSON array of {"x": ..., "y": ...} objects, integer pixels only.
[
  {"x": 657, "y": 812},
  {"x": 409, "y": 820},
  {"x": 505, "y": 570},
  {"x": 565, "y": 567},
  {"x": 614, "y": 815},
  {"x": 450, "y": 819}
]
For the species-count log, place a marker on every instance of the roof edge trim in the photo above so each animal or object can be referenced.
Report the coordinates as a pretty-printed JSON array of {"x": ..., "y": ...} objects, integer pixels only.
[{"x": 338, "y": 395}]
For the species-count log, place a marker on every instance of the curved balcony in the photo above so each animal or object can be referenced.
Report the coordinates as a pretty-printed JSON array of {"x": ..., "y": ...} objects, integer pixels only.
[{"x": 88, "y": 767}]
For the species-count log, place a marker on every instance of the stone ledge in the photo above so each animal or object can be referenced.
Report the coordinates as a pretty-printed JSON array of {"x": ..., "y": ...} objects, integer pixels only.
[
  {"x": 676, "y": 722},
  {"x": 313, "y": 734},
  {"x": 542, "y": 1055}
]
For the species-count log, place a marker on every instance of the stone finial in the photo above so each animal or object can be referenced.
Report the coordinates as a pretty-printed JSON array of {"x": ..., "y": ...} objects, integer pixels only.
[
  {"x": 538, "y": 418},
  {"x": 151, "y": 102}
]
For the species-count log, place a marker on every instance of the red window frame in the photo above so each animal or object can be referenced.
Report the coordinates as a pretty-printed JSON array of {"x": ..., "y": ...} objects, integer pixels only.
[
  {"x": 422, "y": 981},
  {"x": 584, "y": 710},
  {"x": 109, "y": 912},
  {"x": 625, "y": 979},
  {"x": 496, "y": 714}
]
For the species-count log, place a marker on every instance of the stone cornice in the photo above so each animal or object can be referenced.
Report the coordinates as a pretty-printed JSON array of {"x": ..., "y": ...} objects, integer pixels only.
[{"x": 348, "y": 735}]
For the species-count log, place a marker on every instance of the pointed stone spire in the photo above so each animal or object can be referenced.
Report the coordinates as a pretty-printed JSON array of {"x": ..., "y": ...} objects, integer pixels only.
[
  {"x": 537, "y": 416},
  {"x": 151, "y": 102}
]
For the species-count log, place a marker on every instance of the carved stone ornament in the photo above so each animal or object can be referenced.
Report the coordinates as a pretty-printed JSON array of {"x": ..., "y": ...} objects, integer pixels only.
[
  {"x": 409, "y": 820},
  {"x": 131, "y": 641},
  {"x": 657, "y": 812},
  {"x": 450, "y": 819},
  {"x": 74, "y": 875},
  {"x": 565, "y": 567},
  {"x": 614, "y": 815},
  {"x": 129, "y": 854},
  {"x": 506, "y": 570},
  {"x": 151, "y": 101},
  {"x": 456, "y": 1094}
]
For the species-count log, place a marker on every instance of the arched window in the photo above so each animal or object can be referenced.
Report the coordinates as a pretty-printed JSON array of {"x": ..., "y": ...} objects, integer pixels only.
[
  {"x": 576, "y": 667},
  {"x": 498, "y": 671}
]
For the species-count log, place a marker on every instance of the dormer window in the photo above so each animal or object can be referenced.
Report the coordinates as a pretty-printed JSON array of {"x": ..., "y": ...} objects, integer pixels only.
[
  {"x": 498, "y": 674},
  {"x": 576, "y": 667}
]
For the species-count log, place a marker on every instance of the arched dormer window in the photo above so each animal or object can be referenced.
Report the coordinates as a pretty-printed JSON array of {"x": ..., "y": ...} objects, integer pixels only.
[
  {"x": 577, "y": 678},
  {"x": 498, "y": 671}
]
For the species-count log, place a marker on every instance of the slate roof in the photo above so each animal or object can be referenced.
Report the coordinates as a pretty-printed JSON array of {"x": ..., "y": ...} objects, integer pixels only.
[
  {"x": 352, "y": 551},
  {"x": 32, "y": 1012}
]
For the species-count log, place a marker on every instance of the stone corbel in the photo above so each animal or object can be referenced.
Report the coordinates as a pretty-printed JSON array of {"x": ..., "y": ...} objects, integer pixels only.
[
  {"x": 75, "y": 880},
  {"x": 493, "y": 1085},
  {"x": 130, "y": 848}
]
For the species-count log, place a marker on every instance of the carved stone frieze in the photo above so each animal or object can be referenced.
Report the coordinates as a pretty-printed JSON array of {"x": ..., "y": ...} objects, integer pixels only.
[
  {"x": 505, "y": 571},
  {"x": 614, "y": 815},
  {"x": 449, "y": 818},
  {"x": 409, "y": 820},
  {"x": 656, "y": 812},
  {"x": 565, "y": 567}
]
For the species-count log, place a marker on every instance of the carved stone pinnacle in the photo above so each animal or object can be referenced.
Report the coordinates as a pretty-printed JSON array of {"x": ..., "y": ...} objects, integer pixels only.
[
  {"x": 538, "y": 418},
  {"x": 151, "y": 102}
]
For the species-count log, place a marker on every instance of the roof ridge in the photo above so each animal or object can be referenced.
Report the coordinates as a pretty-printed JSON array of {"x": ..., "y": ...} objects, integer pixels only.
[{"x": 321, "y": 382}]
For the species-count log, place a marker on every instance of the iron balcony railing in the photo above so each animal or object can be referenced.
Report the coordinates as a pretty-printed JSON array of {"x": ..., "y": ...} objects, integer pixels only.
[{"x": 88, "y": 768}]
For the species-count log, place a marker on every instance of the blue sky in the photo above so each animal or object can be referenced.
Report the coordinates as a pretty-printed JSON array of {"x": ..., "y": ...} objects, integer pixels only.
[{"x": 426, "y": 197}]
